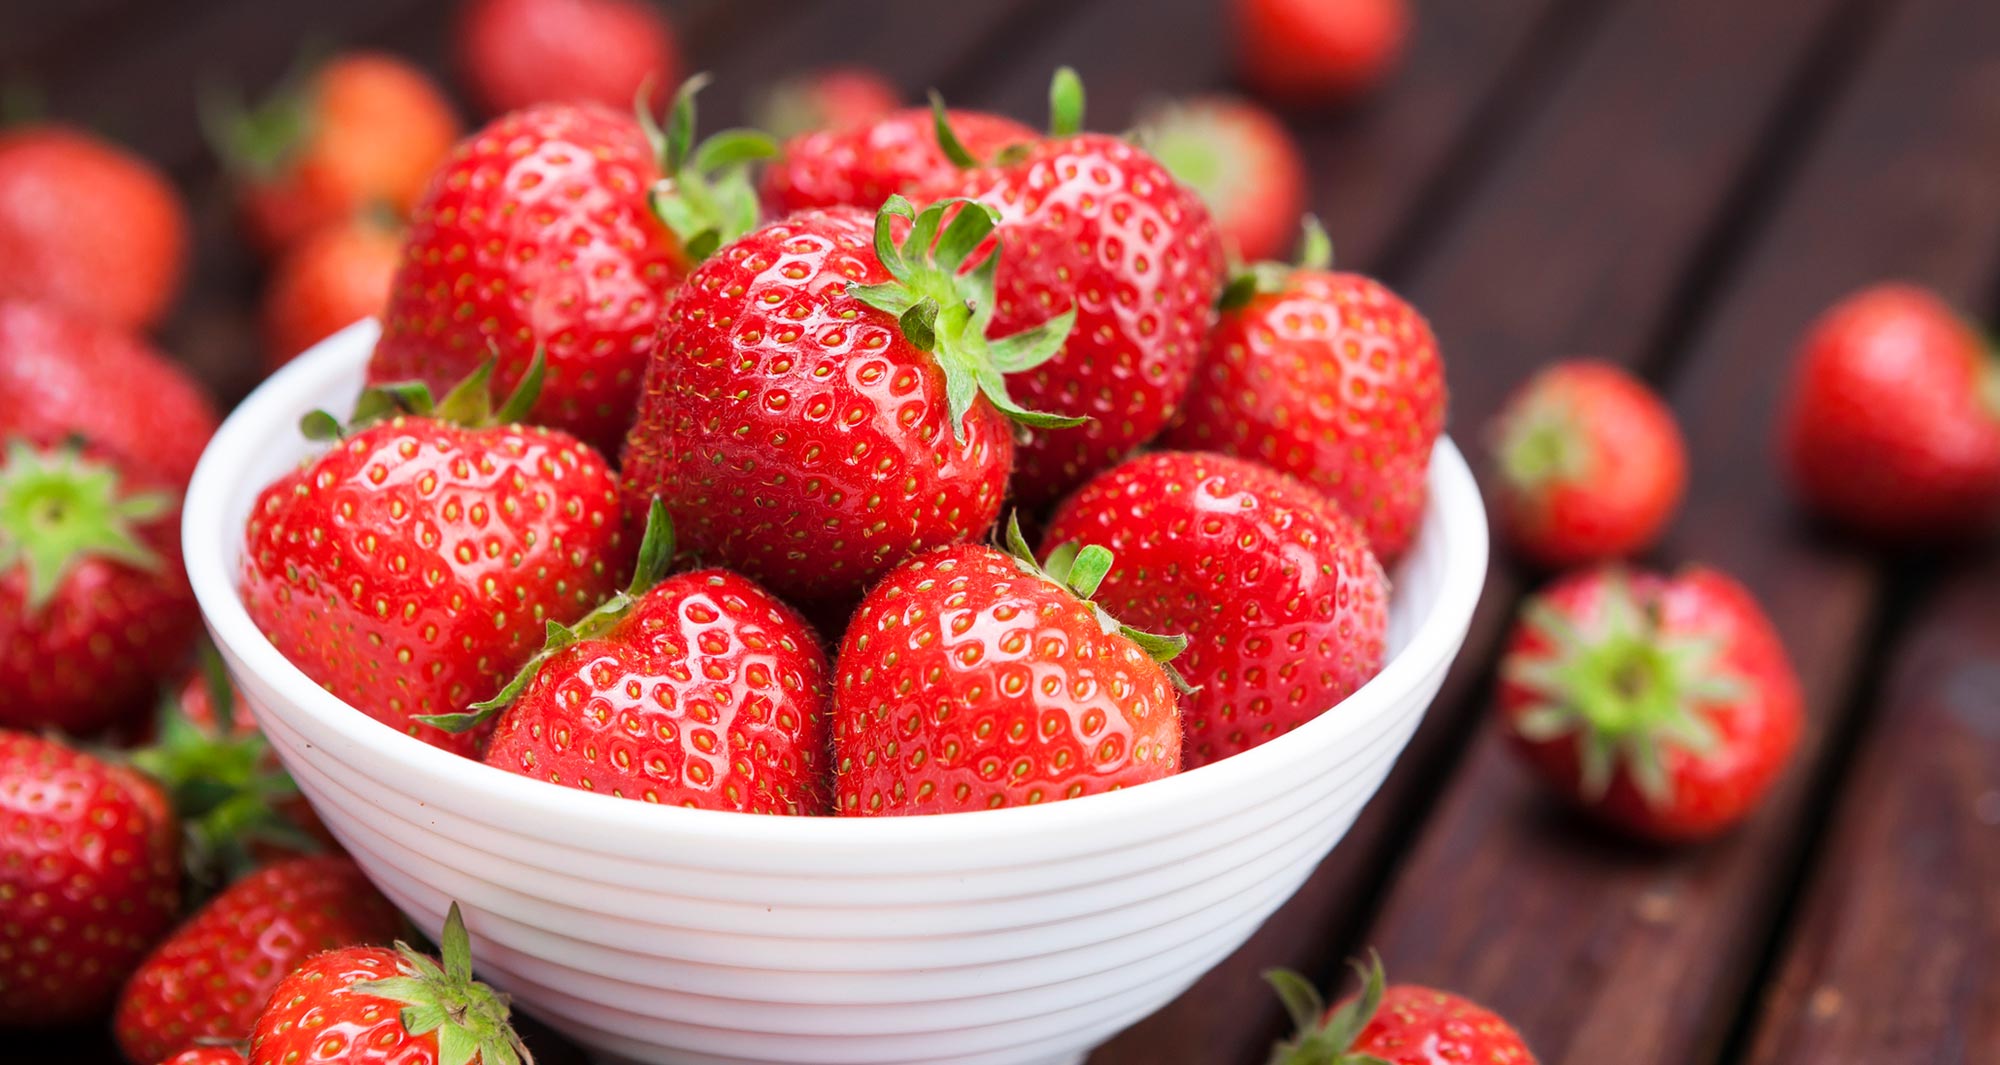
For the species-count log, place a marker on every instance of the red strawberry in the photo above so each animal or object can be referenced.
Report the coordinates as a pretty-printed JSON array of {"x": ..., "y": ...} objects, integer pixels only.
[
  {"x": 412, "y": 568},
  {"x": 1242, "y": 162},
  {"x": 1400, "y": 1025},
  {"x": 1893, "y": 424},
  {"x": 361, "y": 132},
  {"x": 1306, "y": 52},
  {"x": 1591, "y": 465},
  {"x": 833, "y": 98},
  {"x": 1329, "y": 377},
  {"x": 331, "y": 279},
  {"x": 824, "y": 404},
  {"x": 85, "y": 225},
  {"x": 862, "y": 166},
  {"x": 1090, "y": 223},
  {"x": 1284, "y": 606},
  {"x": 89, "y": 878},
  {"x": 211, "y": 977},
  {"x": 94, "y": 604},
  {"x": 545, "y": 232},
  {"x": 207, "y": 1055},
  {"x": 372, "y": 1006},
  {"x": 972, "y": 679},
  {"x": 1663, "y": 705},
  {"x": 517, "y": 53}
]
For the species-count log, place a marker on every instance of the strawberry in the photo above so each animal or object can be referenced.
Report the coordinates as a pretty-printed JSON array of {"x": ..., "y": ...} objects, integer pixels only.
[
  {"x": 1590, "y": 464},
  {"x": 1331, "y": 378},
  {"x": 63, "y": 375},
  {"x": 1663, "y": 705},
  {"x": 1305, "y": 52},
  {"x": 207, "y": 1055},
  {"x": 1401, "y": 1024},
  {"x": 211, "y": 977},
  {"x": 824, "y": 404},
  {"x": 1242, "y": 162},
  {"x": 518, "y": 53},
  {"x": 88, "y": 226},
  {"x": 832, "y": 98},
  {"x": 700, "y": 690},
  {"x": 362, "y": 131},
  {"x": 972, "y": 679},
  {"x": 373, "y": 1006},
  {"x": 1284, "y": 606},
  {"x": 89, "y": 878},
  {"x": 94, "y": 604},
  {"x": 863, "y": 165},
  {"x": 545, "y": 232},
  {"x": 1893, "y": 421},
  {"x": 1091, "y": 224},
  {"x": 412, "y": 568},
  {"x": 330, "y": 279}
]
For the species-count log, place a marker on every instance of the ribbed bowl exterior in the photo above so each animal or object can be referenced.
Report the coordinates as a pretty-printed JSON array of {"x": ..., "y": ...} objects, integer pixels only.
[{"x": 663, "y": 935}]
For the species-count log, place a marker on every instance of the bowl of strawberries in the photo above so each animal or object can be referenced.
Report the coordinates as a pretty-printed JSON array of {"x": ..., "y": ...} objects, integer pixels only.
[{"x": 930, "y": 615}]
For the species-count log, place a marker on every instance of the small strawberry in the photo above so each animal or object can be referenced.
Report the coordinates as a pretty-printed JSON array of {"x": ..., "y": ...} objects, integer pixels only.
[
  {"x": 374, "y": 1006},
  {"x": 362, "y": 131},
  {"x": 551, "y": 230},
  {"x": 211, "y": 977},
  {"x": 1663, "y": 705},
  {"x": 833, "y": 98},
  {"x": 1284, "y": 606},
  {"x": 1242, "y": 162},
  {"x": 88, "y": 226},
  {"x": 1893, "y": 422},
  {"x": 413, "y": 567},
  {"x": 972, "y": 679},
  {"x": 89, "y": 878},
  {"x": 332, "y": 278},
  {"x": 1329, "y": 377},
  {"x": 824, "y": 403},
  {"x": 897, "y": 154},
  {"x": 1305, "y": 52},
  {"x": 1392, "y": 1025},
  {"x": 208, "y": 1055},
  {"x": 518, "y": 53},
  {"x": 1590, "y": 465}
]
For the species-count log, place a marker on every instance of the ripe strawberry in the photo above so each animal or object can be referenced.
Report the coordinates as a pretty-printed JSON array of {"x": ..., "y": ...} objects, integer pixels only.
[
  {"x": 361, "y": 132},
  {"x": 211, "y": 977},
  {"x": 518, "y": 53},
  {"x": 833, "y": 98},
  {"x": 207, "y": 1055},
  {"x": 412, "y": 568},
  {"x": 545, "y": 232},
  {"x": 974, "y": 679},
  {"x": 1893, "y": 423},
  {"x": 862, "y": 166},
  {"x": 63, "y": 376},
  {"x": 1400, "y": 1025},
  {"x": 330, "y": 279},
  {"x": 825, "y": 404},
  {"x": 88, "y": 226},
  {"x": 1305, "y": 52},
  {"x": 89, "y": 878},
  {"x": 1242, "y": 162},
  {"x": 1590, "y": 465},
  {"x": 1090, "y": 223},
  {"x": 373, "y": 1006},
  {"x": 1284, "y": 606},
  {"x": 1329, "y": 377},
  {"x": 94, "y": 604},
  {"x": 1663, "y": 705}
]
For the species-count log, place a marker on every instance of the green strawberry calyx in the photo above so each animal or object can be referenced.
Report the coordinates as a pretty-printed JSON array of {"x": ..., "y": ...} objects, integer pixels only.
[
  {"x": 440, "y": 995},
  {"x": 1065, "y": 119},
  {"x": 59, "y": 509},
  {"x": 1079, "y": 569},
  {"x": 1543, "y": 443},
  {"x": 706, "y": 198},
  {"x": 1624, "y": 689},
  {"x": 944, "y": 308},
  {"x": 258, "y": 140},
  {"x": 1327, "y": 1038},
  {"x": 469, "y": 403},
  {"x": 1249, "y": 281}
]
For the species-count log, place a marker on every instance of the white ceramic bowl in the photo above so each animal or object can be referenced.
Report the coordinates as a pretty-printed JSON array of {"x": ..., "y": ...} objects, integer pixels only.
[{"x": 659, "y": 934}]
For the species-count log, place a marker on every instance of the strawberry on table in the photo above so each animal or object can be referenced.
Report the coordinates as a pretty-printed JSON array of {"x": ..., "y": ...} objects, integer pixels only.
[
  {"x": 1329, "y": 377},
  {"x": 89, "y": 878},
  {"x": 1305, "y": 52},
  {"x": 332, "y": 278},
  {"x": 863, "y": 165},
  {"x": 972, "y": 679},
  {"x": 1242, "y": 162},
  {"x": 1392, "y": 1024},
  {"x": 518, "y": 53},
  {"x": 1590, "y": 464},
  {"x": 1664, "y": 705},
  {"x": 1284, "y": 606},
  {"x": 833, "y": 98}
]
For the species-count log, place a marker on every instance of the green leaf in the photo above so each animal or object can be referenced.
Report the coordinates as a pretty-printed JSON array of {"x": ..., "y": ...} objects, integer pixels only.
[
  {"x": 920, "y": 328},
  {"x": 1301, "y": 999},
  {"x": 1315, "y": 248},
  {"x": 734, "y": 147},
  {"x": 656, "y": 550},
  {"x": 968, "y": 229},
  {"x": 1065, "y": 103},
  {"x": 59, "y": 509},
  {"x": 319, "y": 425},
  {"x": 1087, "y": 571},
  {"x": 526, "y": 391},
  {"x": 1017, "y": 542},
  {"x": 470, "y": 402},
  {"x": 947, "y": 138},
  {"x": 1062, "y": 560},
  {"x": 1030, "y": 348}
]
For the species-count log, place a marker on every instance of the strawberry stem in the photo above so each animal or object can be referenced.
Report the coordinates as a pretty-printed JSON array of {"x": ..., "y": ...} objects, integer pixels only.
[
  {"x": 468, "y": 404},
  {"x": 1327, "y": 1038},
  {"x": 59, "y": 509},
  {"x": 1248, "y": 282},
  {"x": 470, "y": 1019},
  {"x": 706, "y": 198},
  {"x": 1065, "y": 103},
  {"x": 1080, "y": 569}
]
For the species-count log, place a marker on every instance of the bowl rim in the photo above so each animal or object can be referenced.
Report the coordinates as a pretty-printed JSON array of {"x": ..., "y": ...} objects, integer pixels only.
[{"x": 1453, "y": 510}]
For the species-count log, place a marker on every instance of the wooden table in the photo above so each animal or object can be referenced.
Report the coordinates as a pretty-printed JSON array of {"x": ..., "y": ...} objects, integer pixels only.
[{"x": 1678, "y": 185}]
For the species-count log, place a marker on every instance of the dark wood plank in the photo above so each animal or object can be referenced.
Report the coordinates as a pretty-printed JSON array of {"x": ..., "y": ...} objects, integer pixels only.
[{"x": 1609, "y": 953}]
